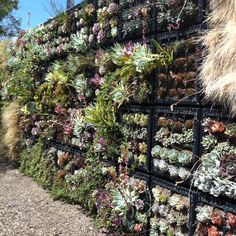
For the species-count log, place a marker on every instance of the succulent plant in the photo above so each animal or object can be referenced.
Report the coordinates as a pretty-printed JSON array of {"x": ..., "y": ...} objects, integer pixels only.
[
  {"x": 163, "y": 226},
  {"x": 113, "y": 8},
  {"x": 203, "y": 213},
  {"x": 228, "y": 166},
  {"x": 230, "y": 129},
  {"x": 179, "y": 138},
  {"x": 209, "y": 142},
  {"x": 213, "y": 126},
  {"x": 172, "y": 155},
  {"x": 162, "y": 165},
  {"x": 184, "y": 173},
  {"x": 173, "y": 171},
  {"x": 174, "y": 200}
]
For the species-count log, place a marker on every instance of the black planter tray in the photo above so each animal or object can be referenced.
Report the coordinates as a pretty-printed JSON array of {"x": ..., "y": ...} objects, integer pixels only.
[
  {"x": 220, "y": 137},
  {"x": 218, "y": 114},
  {"x": 222, "y": 203},
  {"x": 178, "y": 113},
  {"x": 141, "y": 110},
  {"x": 63, "y": 147},
  {"x": 180, "y": 190},
  {"x": 178, "y": 83}
]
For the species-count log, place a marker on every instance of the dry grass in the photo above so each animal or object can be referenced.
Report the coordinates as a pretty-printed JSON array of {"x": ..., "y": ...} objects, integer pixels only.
[
  {"x": 218, "y": 72},
  {"x": 11, "y": 133}
]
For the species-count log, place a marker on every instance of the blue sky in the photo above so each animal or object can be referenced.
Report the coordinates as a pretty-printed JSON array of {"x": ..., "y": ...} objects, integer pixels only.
[{"x": 37, "y": 10}]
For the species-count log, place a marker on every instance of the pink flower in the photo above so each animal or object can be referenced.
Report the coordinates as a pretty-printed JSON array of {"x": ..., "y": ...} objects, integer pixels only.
[
  {"x": 128, "y": 50},
  {"x": 58, "y": 109},
  {"x": 213, "y": 231},
  {"x": 68, "y": 129},
  {"x": 116, "y": 221},
  {"x": 96, "y": 80},
  {"x": 101, "y": 141},
  {"x": 173, "y": 26},
  {"x": 138, "y": 228}
]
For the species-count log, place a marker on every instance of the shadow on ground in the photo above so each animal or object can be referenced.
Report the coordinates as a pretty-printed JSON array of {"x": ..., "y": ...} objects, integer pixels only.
[{"x": 5, "y": 164}]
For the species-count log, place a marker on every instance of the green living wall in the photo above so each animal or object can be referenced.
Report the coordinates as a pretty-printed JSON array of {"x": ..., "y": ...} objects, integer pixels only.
[{"x": 103, "y": 103}]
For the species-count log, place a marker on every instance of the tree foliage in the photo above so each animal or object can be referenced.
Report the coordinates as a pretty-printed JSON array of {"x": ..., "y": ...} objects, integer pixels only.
[{"x": 9, "y": 25}]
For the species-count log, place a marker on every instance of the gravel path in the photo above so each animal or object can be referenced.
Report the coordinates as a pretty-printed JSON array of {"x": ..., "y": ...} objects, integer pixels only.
[{"x": 27, "y": 210}]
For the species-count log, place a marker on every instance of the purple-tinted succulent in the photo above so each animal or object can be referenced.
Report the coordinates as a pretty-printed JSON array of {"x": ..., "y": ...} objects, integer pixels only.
[
  {"x": 101, "y": 36},
  {"x": 228, "y": 166},
  {"x": 96, "y": 28},
  {"x": 35, "y": 131},
  {"x": 102, "y": 141},
  {"x": 58, "y": 109},
  {"x": 116, "y": 222},
  {"x": 98, "y": 56},
  {"x": 139, "y": 204},
  {"x": 68, "y": 129},
  {"x": 113, "y": 8},
  {"x": 102, "y": 200},
  {"x": 60, "y": 48},
  {"x": 128, "y": 50},
  {"x": 96, "y": 80}
]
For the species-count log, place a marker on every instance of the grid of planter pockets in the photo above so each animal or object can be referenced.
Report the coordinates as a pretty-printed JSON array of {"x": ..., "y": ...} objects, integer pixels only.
[{"x": 117, "y": 112}]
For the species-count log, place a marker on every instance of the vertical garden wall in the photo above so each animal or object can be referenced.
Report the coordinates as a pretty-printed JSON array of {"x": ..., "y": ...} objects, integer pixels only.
[{"x": 107, "y": 104}]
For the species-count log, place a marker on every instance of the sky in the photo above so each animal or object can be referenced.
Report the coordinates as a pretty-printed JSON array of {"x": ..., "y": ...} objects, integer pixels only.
[{"x": 37, "y": 9}]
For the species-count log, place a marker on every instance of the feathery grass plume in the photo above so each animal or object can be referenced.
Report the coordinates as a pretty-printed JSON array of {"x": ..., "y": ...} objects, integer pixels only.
[
  {"x": 218, "y": 71},
  {"x": 11, "y": 133}
]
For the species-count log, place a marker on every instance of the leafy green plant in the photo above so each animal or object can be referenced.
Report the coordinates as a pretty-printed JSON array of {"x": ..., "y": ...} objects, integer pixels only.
[{"x": 34, "y": 163}]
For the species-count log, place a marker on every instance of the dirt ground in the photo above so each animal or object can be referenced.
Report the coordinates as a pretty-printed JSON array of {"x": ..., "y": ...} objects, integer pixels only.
[{"x": 27, "y": 210}]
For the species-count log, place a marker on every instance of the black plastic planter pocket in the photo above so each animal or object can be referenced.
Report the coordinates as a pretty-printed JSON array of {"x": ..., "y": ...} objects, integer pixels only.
[
  {"x": 65, "y": 159},
  {"x": 137, "y": 19},
  {"x": 172, "y": 209},
  {"x": 178, "y": 82},
  {"x": 217, "y": 172},
  {"x": 174, "y": 152},
  {"x": 179, "y": 15},
  {"x": 64, "y": 147},
  {"x": 135, "y": 127},
  {"x": 215, "y": 216}
]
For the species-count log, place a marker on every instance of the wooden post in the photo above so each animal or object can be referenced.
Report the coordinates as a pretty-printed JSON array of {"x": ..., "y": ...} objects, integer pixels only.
[{"x": 70, "y": 3}]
